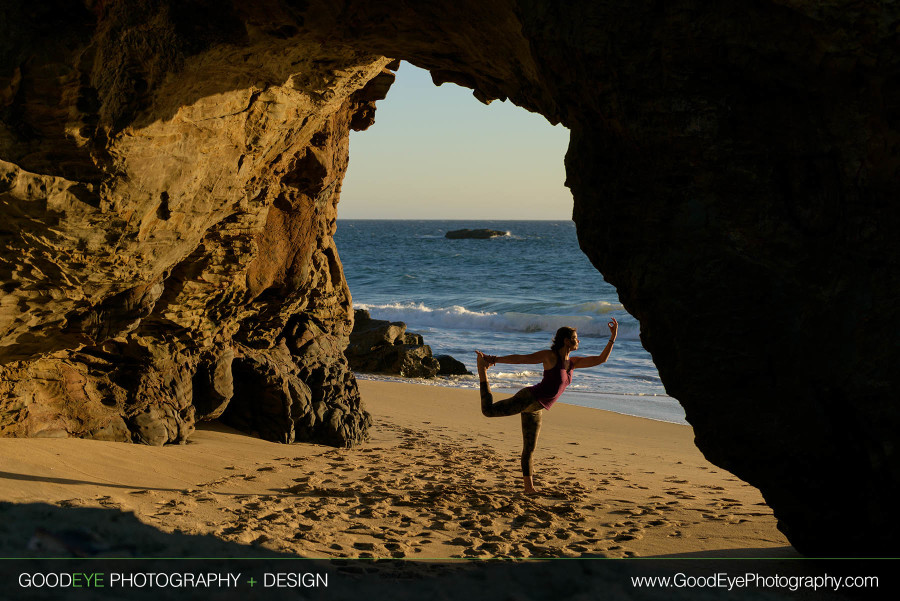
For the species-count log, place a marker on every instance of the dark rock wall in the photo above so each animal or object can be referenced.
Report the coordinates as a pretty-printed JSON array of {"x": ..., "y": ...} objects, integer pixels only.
[
  {"x": 741, "y": 209},
  {"x": 732, "y": 168},
  {"x": 169, "y": 184}
]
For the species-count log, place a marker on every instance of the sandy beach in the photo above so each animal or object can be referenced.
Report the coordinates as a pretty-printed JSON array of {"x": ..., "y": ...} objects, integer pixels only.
[{"x": 436, "y": 480}]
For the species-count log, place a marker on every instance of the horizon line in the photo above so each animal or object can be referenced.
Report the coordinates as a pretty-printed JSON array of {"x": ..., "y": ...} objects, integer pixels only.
[{"x": 439, "y": 219}]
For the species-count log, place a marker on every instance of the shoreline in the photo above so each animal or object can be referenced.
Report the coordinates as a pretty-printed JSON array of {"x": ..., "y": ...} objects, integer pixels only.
[
  {"x": 437, "y": 480},
  {"x": 599, "y": 397}
]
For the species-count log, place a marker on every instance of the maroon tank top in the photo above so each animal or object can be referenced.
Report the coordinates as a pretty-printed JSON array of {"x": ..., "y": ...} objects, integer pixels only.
[{"x": 554, "y": 383}]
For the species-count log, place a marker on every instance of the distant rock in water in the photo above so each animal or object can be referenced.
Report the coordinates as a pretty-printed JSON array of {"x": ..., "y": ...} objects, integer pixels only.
[
  {"x": 479, "y": 234},
  {"x": 381, "y": 346}
]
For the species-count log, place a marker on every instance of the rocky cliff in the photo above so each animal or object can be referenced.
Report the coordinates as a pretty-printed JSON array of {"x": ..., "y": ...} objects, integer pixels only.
[
  {"x": 170, "y": 171},
  {"x": 169, "y": 187}
]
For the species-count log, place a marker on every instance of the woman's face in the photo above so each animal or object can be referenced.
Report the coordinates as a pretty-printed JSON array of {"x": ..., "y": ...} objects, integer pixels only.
[{"x": 573, "y": 341}]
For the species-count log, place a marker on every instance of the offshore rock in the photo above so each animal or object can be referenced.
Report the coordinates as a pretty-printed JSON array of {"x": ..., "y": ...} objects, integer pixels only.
[
  {"x": 169, "y": 173},
  {"x": 479, "y": 234}
]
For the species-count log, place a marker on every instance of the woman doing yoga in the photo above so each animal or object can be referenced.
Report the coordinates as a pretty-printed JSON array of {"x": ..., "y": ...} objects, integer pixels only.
[{"x": 530, "y": 402}]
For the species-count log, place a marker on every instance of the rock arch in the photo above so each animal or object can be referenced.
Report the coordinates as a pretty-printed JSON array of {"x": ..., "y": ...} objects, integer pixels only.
[{"x": 169, "y": 173}]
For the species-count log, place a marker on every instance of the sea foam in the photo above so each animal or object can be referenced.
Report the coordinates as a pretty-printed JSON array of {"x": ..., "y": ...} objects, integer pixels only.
[{"x": 458, "y": 317}]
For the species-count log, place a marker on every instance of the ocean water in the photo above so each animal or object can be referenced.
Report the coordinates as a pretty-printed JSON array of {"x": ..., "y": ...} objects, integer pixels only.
[{"x": 502, "y": 296}]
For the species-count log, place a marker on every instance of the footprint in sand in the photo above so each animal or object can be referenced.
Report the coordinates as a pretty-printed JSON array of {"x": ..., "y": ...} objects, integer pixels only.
[
  {"x": 72, "y": 503},
  {"x": 628, "y": 536},
  {"x": 680, "y": 494},
  {"x": 712, "y": 487},
  {"x": 216, "y": 482},
  {"x": 674, "y": 480},
  {"x": 109, "y": 502}
]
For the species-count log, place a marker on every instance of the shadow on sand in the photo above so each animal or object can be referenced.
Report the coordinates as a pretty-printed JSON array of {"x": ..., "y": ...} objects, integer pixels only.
[{"x": 47, "y": 540}]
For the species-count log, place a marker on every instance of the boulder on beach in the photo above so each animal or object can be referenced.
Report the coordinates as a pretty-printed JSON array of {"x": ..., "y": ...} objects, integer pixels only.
[
  {"x": 413, "y": 361},
  {"x": 450, "y": 366},
  {"x": 381, "y": 346},
  {"x": 479, "y": 234}
]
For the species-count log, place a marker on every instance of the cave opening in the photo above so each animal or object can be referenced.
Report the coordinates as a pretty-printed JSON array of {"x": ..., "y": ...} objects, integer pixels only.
[
  {"x": 168, "y": 186},
  {"x": 437, "y": 160}
]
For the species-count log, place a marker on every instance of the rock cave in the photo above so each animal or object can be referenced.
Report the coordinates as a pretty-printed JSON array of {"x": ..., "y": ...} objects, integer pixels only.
[{"x": 170, "y": 172}]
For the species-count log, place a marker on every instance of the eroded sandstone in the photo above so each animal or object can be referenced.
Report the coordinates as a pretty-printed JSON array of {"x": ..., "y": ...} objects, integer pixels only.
[{"x": 155, "y": 273}]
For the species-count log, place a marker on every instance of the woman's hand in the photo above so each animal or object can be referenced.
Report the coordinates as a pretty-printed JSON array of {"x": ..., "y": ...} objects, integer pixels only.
[{"x": 613, "y": 328}]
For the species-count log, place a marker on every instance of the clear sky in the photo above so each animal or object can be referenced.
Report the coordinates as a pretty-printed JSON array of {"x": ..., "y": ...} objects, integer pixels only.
[{"x": 435, "y": 152}]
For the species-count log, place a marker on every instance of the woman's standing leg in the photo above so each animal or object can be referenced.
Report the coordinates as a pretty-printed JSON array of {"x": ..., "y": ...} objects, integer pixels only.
[
  {"x": 522, "y": 402},
  {"x": 531, "y": 429}
]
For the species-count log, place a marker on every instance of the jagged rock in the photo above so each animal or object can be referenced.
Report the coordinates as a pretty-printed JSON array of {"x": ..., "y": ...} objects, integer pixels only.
[
  {"x": 214, "y": 386},
  {"x": 377, "y": 333},
  {"x": 58, "y": 396},
  {"x": 273, "y": 400},
  {"x": 413, "y": 339},
  {"x": 380, "y": 346},
  {"x": 450, "y": 366},
  {"x": 123, "y": 393},
  {"x": 479, "y": 234},
  {"x": 733, "y": 171},
  {"x": 171, "y": 190},
  {"x": 415, "y": 361}
]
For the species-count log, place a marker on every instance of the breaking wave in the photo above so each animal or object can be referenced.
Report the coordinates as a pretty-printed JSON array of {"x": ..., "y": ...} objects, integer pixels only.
[{"x": 456, "y": 317}]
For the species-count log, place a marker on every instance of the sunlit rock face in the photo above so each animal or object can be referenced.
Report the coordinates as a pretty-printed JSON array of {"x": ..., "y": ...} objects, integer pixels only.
[
  {"x": 168, "y": 189},
  {"x": 170, "y": 172}
]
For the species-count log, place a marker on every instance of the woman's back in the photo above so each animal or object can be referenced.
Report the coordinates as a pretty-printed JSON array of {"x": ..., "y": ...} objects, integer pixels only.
[{"x": 555, "y": 381}]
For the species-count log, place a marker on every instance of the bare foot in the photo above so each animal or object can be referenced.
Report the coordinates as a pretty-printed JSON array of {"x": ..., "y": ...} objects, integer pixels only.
[
  {"x": 531, "y": 492},
  {"x": 482, "y": 367},
  {"x": 481, "y": 362}
]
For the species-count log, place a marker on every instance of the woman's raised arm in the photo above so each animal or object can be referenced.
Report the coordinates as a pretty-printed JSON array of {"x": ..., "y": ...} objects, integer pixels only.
[{"x": 583, "y": 362}]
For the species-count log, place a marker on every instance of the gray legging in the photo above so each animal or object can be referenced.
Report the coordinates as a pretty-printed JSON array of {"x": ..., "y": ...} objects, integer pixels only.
[{"x": 523, "y": 403}]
